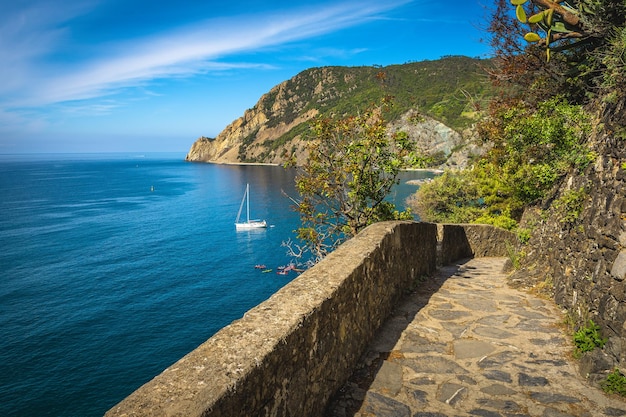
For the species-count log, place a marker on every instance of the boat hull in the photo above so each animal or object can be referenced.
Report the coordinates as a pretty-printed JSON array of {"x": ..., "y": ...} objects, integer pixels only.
[{"x": 252, "y": 224}]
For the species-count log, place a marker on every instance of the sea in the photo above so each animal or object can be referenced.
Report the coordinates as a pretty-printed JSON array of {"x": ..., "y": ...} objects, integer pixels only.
[{"x": 114, "y": 266}]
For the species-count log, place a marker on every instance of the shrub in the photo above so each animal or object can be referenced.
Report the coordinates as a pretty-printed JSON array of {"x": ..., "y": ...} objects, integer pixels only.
[
  {"x": 588, "y": 338},
  {"x": 499, "y": 220},
  {"x": 570, "y": 205},
  {"x": 533, "y": 148},
  {"x": 524, "y": 235},
  {"x": 615, "y": 383}
]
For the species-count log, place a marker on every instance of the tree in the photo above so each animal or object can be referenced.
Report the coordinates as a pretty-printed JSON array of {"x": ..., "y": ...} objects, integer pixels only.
[{"x": 353, "y": 162}]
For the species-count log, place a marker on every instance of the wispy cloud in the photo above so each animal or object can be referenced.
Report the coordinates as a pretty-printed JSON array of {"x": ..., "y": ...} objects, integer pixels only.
[
  {"x": 31, "y": 80},
  {"x": 102, "y": 108},
  {"x": 331, "y": 52}
]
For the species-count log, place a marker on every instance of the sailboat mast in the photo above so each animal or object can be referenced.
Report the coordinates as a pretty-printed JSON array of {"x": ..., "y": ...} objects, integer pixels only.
[
  {"x": 248, "y": 224},
  {"x": 248, "y": 201}
]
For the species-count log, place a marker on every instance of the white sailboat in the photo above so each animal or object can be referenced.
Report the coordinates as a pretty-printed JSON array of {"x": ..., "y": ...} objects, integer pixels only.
[{"x": 248, "y": 224}]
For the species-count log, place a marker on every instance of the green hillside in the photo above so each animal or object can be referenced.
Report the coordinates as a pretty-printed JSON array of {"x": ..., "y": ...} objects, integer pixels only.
[{"x": 449, "y": 89}]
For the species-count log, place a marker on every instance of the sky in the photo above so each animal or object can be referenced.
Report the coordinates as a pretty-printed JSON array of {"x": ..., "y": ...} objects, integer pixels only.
[{"x": 153, "y": 76}]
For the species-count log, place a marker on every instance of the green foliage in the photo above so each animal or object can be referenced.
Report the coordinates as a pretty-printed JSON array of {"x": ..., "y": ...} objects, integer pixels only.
[
  {"x": 533, "y": 147},
  {"x": 570, "y": 205},
  {"x": 449, "y": 198},
  {"x": 588, "y": 338},
  {"x": 515, "y": 256},
  {"x": 586, "y": 40},
  {"x": 558, "y": 21},
  {"x": 499, "y": 220},
  {"x": 523, "y": 235},
  {"x": 615, "y": 383},
  {"x": 352, "y": 165}
]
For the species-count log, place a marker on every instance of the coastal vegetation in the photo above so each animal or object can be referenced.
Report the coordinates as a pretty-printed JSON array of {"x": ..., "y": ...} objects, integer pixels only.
[
  {"x": 561, "y": 78},
  {"x": 532, "y": 147},
  {"x": 615, "y": 383},
  {"x": 342, "y": 188},
  {"x": 553, "y": 94}
]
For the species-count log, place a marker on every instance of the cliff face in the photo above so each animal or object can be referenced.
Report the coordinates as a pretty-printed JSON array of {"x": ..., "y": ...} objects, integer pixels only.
[
  {"x": 277, "y": 127},
  {"x": 431, "y": 137},
  {"x": 251, "y": 138}
]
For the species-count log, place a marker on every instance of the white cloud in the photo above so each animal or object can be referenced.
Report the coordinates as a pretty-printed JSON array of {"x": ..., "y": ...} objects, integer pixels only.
[
  {"x": 178, "y": 53},
  {"x": 331, "y": 52},
  {"x": 29, "y": 34},
  {"x": 102, "y": 108}
]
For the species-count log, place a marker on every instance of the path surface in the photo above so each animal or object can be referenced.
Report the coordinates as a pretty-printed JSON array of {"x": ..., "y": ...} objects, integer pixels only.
[{"x": 469, "y": 345}]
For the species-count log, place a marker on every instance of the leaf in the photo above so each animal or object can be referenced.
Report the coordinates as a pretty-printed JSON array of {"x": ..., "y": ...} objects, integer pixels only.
[
  {"x": 520, "y": 13},
  {"x": 536, "y": 18},
  {"x": 560, "y": 27},
  {"x": 548, "y": 55},
  {"x": 518, "y": 2},
  {"x": 585, "y": 8},
  {"x": 532, "y": 37},
  {"x": 549, "y": 15}
]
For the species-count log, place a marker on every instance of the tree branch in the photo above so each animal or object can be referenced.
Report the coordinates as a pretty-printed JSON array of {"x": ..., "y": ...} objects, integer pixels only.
[{"x": 569, "y": 17}]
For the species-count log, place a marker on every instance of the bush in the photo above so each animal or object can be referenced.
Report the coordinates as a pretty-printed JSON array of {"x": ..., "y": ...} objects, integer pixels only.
[
  {"x": 570, "y": 205},
  {"x": 533, "y": 148},
  {"x": 588, "y": 338},
  {"x": 615, "y": 383},
  {"x": 524, "y": 235}
]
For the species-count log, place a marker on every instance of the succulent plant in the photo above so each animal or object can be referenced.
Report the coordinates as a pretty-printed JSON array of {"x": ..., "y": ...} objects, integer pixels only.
[{"x": 558, "y": 20}]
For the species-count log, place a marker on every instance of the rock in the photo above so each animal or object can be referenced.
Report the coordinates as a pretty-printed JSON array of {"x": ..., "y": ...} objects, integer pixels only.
[
  {"x": 549, "y": 398},
  {"x": 497, "y": 389},
  {"x": 382, "y": 406},
  {"x": 498, "y": 376},
  {"x": 594, "y": 363},
  {"x": 531, "y": 381},
  {"x": 466, "y": 348},
  {"x": 452, "y": 394},
  {"x": 618, "y": 271}
]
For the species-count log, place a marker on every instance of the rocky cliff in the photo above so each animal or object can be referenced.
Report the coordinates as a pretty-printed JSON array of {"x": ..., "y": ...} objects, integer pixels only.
[{"x": 434, "y": 102}]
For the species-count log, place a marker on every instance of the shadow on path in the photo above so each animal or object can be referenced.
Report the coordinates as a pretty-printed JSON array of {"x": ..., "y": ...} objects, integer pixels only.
[
  {"x": 467, "y": 344},
  {"x": 344, "y": 402}
]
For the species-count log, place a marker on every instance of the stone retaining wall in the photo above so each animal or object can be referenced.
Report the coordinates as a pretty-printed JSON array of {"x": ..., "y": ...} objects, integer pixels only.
[
  {"x": 583, "y": 258},
  {"x": 288, "y": 355}
]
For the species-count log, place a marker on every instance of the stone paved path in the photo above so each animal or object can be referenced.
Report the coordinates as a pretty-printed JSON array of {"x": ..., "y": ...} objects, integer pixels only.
[{"x": 469, "y": 345}]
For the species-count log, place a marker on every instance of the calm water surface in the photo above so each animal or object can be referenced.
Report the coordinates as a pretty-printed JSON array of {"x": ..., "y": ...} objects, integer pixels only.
[{"x": 115, "y": 266}]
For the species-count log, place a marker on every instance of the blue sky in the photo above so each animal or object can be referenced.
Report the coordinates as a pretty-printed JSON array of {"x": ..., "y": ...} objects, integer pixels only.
[{"x": 138, "y": 75}]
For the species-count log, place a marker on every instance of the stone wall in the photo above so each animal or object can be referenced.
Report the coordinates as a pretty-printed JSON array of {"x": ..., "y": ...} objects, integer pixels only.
[
  {"x": 288, "y": 355},
  {"x": 472, "y": 240},
  {"x": 583, "y": 258}
]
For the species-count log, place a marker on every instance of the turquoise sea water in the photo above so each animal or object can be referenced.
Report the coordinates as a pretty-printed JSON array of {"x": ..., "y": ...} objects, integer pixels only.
[{"x": 115, "y": 266}]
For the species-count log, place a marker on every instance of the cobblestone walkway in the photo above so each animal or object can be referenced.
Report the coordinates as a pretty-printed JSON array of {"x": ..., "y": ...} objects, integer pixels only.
[{"x": 469, "y": 345}]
